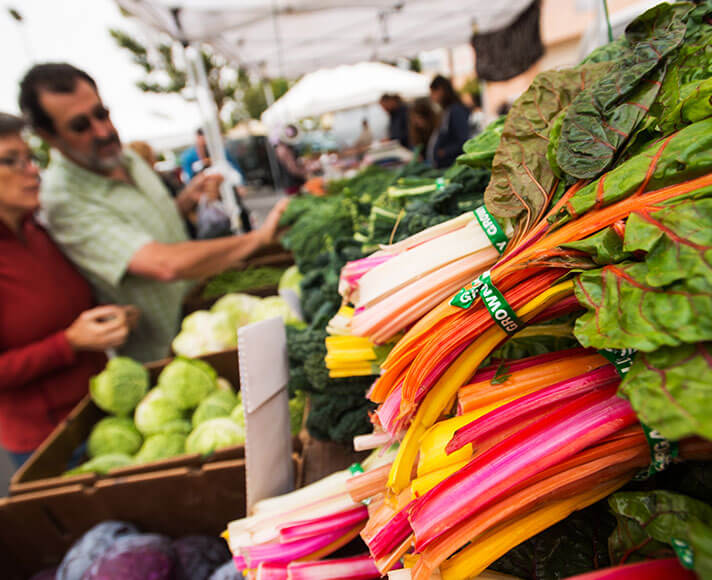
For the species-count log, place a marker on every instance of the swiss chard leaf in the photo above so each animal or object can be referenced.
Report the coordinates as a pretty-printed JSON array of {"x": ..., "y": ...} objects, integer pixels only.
[
  {"x": 677, "y": 239},
  {"x": 479, "y": 151},
  {"x": 573, "y": 546},
  {"x": 682, "y": 156},
  {"x": 694, "y": 103},
  {"x": 671, "y": 390},
  {"x": 625, "y": 312},
  {"x": 649, "y": 521},
  {"x": 522, "y": 179},
  {"x": 665, "y": 300},
  {"x": 605, "y": 247},
  {"x": 603, "y": 116}
]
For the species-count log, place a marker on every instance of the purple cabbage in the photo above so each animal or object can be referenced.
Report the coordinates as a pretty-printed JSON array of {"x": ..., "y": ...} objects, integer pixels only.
[
  {"x": 136, "y": 557},
  {"x": 91, "y": 546}
]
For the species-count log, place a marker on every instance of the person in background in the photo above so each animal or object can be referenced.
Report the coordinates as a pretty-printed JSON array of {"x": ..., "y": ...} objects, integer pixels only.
[
  {"x": 113, "y": 217},
  {"x": 398, "y": 115},
  {"x": 423, "y": 122},
  {"x": 209, "y": 191},
  {"x": 365, "y": 138},
  {"x": 170, "y": 179},
  {"x": 196, "y": 158},
  {"x": 454, "y": 127},
  {"x": 294, "y": 173},
  {"x": 52, "y": 336}
]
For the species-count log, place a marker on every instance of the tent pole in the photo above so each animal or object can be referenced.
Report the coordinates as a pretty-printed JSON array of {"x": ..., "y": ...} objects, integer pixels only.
[
  {"x": 197, "y": 77},
  {"x": 273, "y": 167}
]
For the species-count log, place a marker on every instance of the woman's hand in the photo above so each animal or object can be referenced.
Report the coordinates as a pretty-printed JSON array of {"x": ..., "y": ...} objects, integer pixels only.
[{"x": 101, "y": 328}]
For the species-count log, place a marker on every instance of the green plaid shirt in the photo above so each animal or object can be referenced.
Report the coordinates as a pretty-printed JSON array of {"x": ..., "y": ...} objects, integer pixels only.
[{"x": 100, "y": 223}]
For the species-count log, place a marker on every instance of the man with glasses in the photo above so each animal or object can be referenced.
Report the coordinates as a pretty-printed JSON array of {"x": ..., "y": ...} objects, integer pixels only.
[{"x": 112, "y": 215}]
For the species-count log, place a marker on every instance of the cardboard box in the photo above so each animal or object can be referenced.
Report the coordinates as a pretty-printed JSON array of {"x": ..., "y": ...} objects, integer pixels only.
[{"x": 47, "y": 513}]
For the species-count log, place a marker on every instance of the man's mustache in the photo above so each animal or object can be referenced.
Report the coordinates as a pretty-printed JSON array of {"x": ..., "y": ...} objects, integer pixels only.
[{"x": 112, "y": 139}]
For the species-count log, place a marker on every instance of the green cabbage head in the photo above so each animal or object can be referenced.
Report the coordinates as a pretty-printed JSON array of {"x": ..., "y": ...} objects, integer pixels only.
[
  {"x": 158, "y": 413},
  {"x": 161, "y": 446},
  {"x": 214, "y": 434},
  {"x": 291, "y": 280},
  {"x": 120, "y": 386},
  {"x": 237, "y": 307},
  {"x": 219, "y": 404},
  {"x": 114, "y": 435},
  {"x": 271, "y": 307},
  {"x": 187, "y": 381}
]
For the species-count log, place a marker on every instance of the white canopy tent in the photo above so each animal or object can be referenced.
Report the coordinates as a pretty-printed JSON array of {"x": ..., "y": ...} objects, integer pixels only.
[
  {"x": 343, "y": 87},
  {"x": 293, "y": 37}
]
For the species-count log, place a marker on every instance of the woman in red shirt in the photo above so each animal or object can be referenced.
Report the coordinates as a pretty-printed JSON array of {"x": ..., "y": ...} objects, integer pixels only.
[{"x": 51, "y": 339}]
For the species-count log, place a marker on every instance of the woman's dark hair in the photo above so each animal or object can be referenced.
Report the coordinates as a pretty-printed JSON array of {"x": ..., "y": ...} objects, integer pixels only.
[
  {"x": 420, "y": 133},
  {"x": 449, "y": 95},
  {"x": 53, "y": 77},
  {"x": 10, "y": 125}
]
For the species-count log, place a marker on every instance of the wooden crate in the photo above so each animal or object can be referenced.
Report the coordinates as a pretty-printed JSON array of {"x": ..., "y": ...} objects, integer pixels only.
[
  {"x": 36, "y": 529},
  {"x": 44, "y": 469},
  {"x": 46, "y": 513}
]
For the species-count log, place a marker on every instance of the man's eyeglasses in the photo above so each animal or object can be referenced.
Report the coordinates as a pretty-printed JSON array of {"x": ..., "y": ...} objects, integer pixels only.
[
  {"x": 19, "y": 162},
  {"x": 82, "y": 123}
]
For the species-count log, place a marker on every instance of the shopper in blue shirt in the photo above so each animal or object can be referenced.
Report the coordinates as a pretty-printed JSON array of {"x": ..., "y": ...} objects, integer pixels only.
[{"x": 196, "y": 158}]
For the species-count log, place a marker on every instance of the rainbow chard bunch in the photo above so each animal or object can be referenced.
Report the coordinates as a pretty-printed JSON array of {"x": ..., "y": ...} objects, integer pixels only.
[{"x": 604, "y": 172}]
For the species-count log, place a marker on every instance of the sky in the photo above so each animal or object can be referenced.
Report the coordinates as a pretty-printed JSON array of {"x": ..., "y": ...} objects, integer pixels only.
[{"x": 77, "y": 31}]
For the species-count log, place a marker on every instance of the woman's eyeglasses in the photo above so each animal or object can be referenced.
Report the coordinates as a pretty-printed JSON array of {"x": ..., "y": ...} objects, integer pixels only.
[
  {"x": 18, "y": 162},
  {"x": 82, "y": 123}
]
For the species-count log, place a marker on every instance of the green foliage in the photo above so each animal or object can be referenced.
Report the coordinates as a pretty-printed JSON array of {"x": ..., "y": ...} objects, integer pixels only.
[
  {"x": 120, "y": 386},
  {"x": 114, "y": 435},
  {"x": 231, "y": 281},
  {"x": 666, "y": 300},
  {"x": 671, "y": 390},
  {"x": 649, "y": 523},
  {"x": 602, "y": 116},
  {"x": 236, "y": 95},
  {"x": 573, "y": 546},
  {"x": 522, "y": 178},
  {"x": 479, "y": 151}
]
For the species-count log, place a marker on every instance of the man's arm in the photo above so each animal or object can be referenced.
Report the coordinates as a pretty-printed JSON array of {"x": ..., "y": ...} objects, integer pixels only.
[{"x": 198, "y": 259}]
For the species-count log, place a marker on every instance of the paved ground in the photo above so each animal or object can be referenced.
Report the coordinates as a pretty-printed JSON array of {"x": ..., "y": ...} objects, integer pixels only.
[{"x": 259, "y": 202}]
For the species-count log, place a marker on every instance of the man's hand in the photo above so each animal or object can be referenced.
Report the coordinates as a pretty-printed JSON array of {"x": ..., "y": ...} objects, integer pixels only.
[
  {"x": 268, "y": 231},
  {"x": 203, "y": 184},
  {"x": 100, "y": 328}
]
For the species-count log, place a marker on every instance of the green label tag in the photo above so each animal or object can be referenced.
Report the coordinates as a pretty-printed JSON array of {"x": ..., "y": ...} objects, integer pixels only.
[
  {"x": 684, "y": 553},
  {"x": 498, "y": 307},
  {"x": 355, "y": 469},
  {"x": 467, "y": 296},
  {"x": 440, "y": 183},
  {"x": 621, "y": 359},
  {"x": 492, "y": 229}
]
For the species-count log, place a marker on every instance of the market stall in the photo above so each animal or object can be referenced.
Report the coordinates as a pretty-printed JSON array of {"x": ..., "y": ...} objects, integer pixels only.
[{"x": 508, "y": 361}]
